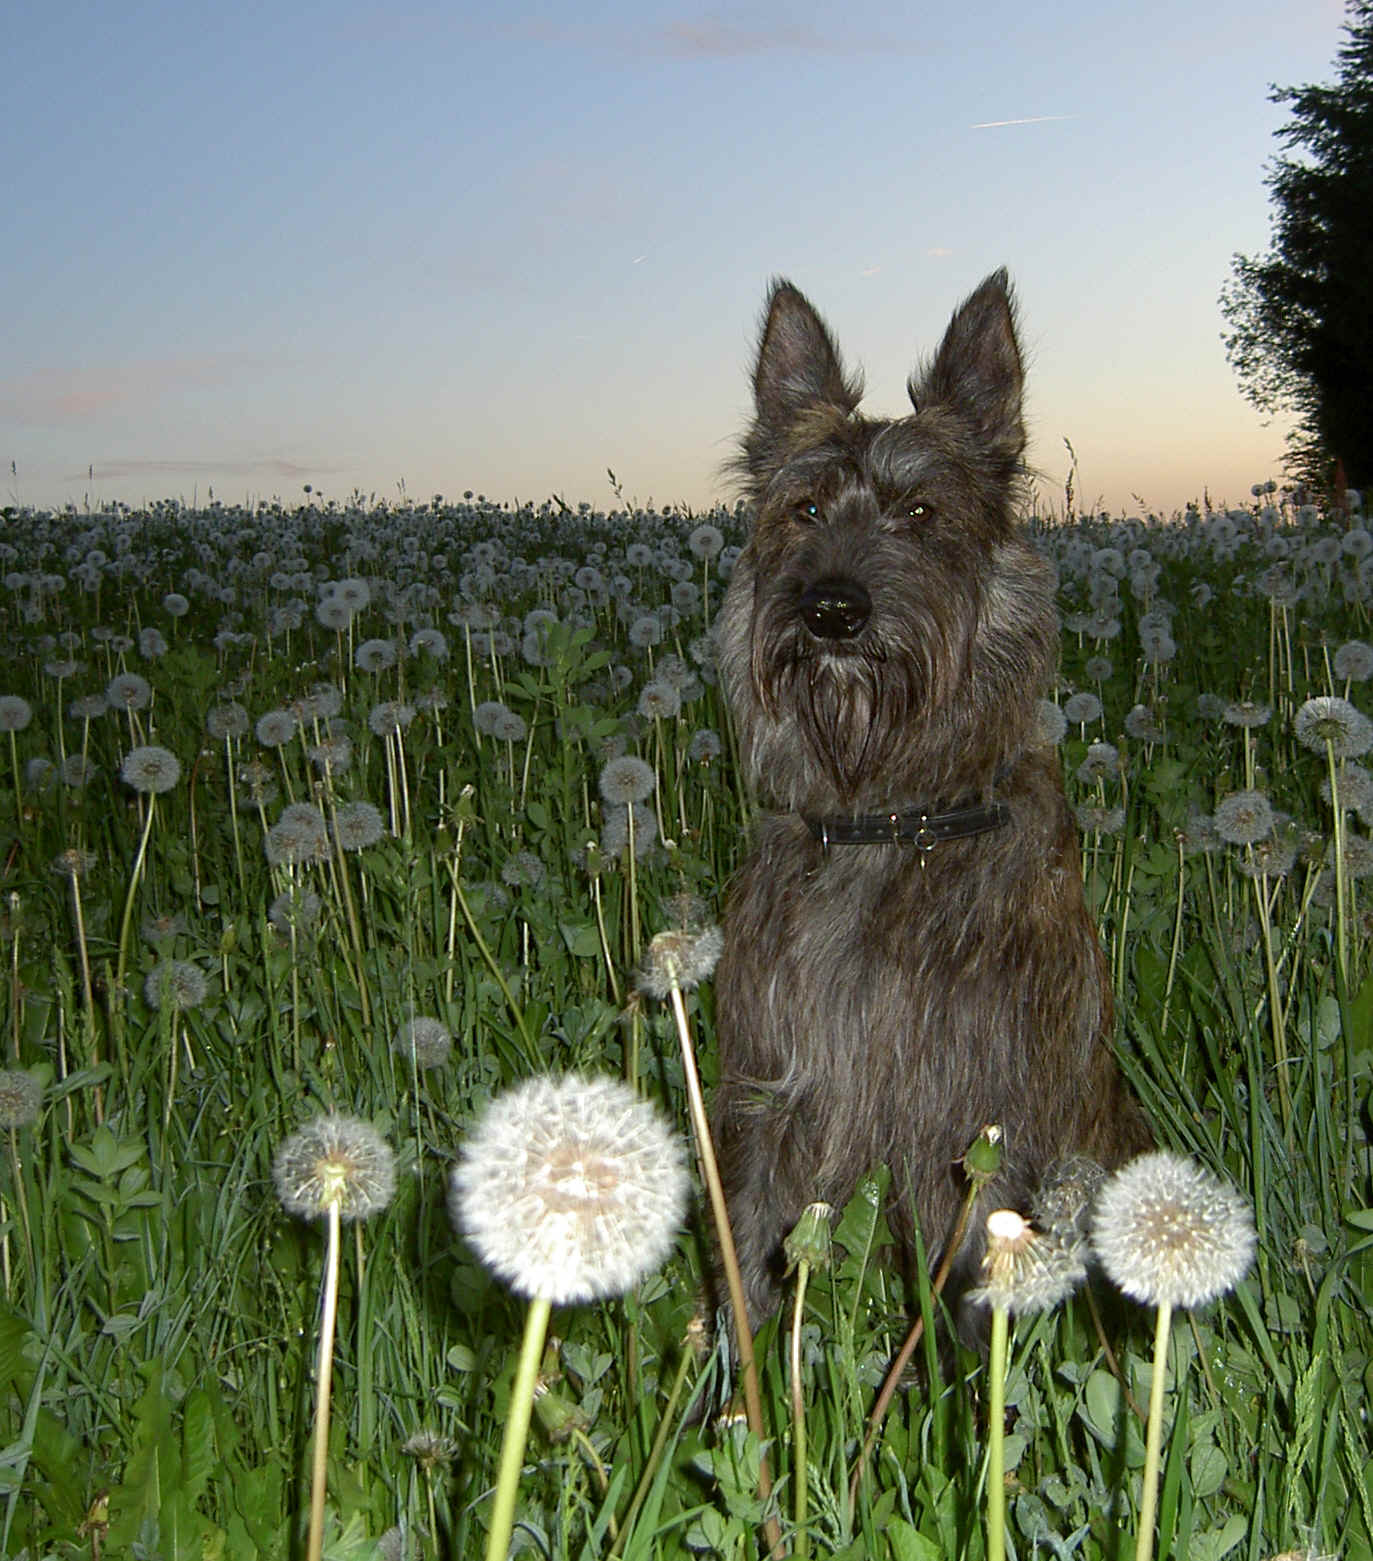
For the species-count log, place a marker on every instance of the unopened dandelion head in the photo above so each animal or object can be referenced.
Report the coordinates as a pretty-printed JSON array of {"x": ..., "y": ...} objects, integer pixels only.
[
  {"x": 570, "y": 1189},
  {"x": 335, "y": 1160},
  {"x": 1168, "y": 1232}
]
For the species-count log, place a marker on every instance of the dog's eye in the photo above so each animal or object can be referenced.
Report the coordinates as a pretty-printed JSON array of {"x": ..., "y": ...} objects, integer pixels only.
[
  {"x": 808, "y": 510},
  {"x": 917, "y": 511}
]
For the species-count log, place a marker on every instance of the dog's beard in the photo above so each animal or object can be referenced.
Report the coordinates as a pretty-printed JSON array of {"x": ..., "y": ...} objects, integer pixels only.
[{"x": 851, "y": 709}]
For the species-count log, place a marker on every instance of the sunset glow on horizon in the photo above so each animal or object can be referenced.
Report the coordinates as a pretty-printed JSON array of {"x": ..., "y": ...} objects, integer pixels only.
[{"x": 435, "y": 250}]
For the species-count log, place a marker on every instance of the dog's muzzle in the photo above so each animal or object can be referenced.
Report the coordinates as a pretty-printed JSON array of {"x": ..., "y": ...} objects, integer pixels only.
[{"x": 835, "y": 609}]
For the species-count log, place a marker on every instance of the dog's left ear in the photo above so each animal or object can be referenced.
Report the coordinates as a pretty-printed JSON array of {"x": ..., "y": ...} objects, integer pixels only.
[{"x": 977, "y": 370}]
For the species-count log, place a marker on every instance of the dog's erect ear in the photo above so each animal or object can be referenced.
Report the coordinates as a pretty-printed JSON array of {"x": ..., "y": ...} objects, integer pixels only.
[
  {"x": 977, "y": 369},
  {"x": 798, "y": 363}
]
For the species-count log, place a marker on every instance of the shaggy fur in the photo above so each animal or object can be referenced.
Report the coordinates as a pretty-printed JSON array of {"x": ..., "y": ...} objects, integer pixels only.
[{"x": 883, "y": 643}]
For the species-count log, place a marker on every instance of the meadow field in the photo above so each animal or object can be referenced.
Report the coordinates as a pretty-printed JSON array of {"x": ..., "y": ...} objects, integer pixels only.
[{"x": 306, "y": 810}]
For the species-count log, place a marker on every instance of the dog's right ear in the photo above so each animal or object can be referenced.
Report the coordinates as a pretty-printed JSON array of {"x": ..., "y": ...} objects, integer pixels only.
[
  {"x": 799, "y": 373},
  {"x": 799, "y": 366}
]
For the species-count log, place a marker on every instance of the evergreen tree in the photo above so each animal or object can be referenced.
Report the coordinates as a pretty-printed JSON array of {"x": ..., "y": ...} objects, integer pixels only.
[{"x": 1301, "y": 315}]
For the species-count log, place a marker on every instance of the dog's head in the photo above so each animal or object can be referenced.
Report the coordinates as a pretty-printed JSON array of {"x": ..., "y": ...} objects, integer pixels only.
[{"x": 887, "y": 632}]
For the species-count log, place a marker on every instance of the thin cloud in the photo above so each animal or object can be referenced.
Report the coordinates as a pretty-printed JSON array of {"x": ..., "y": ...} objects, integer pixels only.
[
  {"x": 1033, "y": 119},
  {"x": 73, "y": 396},
  {"x": 709, "y": 38},
  {"x": 269, "y": 466}
]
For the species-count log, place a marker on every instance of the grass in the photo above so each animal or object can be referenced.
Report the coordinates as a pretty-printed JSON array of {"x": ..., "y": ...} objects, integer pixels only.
[{"x": 158, "y": 1326}]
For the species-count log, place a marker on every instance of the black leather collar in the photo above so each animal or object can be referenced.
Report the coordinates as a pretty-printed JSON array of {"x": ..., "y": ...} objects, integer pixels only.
[{"x": 909, "y": 827}]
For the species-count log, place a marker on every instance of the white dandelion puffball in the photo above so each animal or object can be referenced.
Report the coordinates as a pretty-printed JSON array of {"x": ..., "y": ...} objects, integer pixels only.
[
  {"x": 1168, "y": 1232},
  {"x": 150, "y": 769},
  {"x": 570, "y": 1189},
  {"x": 335, "y": 1160}
]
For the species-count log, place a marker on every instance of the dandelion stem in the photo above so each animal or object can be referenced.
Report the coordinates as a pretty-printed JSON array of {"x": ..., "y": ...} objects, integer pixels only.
[
  {"x": 655, "y": 1455},
  {"x": 323, "y": 1384},
  {"x": 729, "y": 1261},
  {"x": 117, "y": 991},
  {"x": 1153, "y": 1440},
  {"x": 996, "y": 1434},
  {"x": 1341, "y": 873},
  {"x": 798, "y": 1416},
  {"x": 516, "y": 1430},
  {"x": 898, "y": 1366}
]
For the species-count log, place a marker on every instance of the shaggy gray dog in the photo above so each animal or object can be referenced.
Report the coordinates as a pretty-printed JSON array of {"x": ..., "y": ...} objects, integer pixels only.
[{"x": 908, "y": 955}]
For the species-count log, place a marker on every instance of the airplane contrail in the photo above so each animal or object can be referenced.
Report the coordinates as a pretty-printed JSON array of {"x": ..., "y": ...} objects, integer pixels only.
[{"x": 1037, "y": 119}]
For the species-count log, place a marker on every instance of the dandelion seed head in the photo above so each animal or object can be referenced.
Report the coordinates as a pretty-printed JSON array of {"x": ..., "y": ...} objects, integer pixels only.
[
  {"x": 150, "y": 769},
  {"x": 1094, "y": 820},
  {"x": 298, "y": 908},
  {"x": 705, "y": 541},
  {"x": 1063, "y": 1201},
  {"x": 174, "y": 983},
  {"x": 227, "y": 720},
  {"x": 375, "y": 655},
  {"x": 659, "y": 700},
  {"x": 15, "y": 713},
  {"x": 1168, "y": 1232},
  {"x": 570, "y": 1190},
  {"x": 1078, "y": 708},
  {"x": 335, "y": 1160},
  {"x": 1101, "y": 762},
  {"x": 1141, "y": 724},
  {"x": 1246, "y": 713},
  {"x": 299, "y": 836},
  {"x": 128, "y": 691},
  {"x": 1025, "y": 1271},
  {"x": 1330, "y": 719},
  {"x": 21, "y": 1098},
  {"x": 1244, "y": 818},
  {"x": 73, "y": 862},
  {"x": 615, "y": 830},
  {"x": 523, "y": 870},
  {"x": 680, "y": 958},
  {"x": 429, "y": 1449},
  {"x": 626, "y": 779},
  {"x": 389, "y": 717},
  {"x": 152, "y": 643},
  {"x": 275, "y": 728},
  {"x": 358, "y": 825},
  {"x": 1354, "y": 661},
  {"x": 426, "y": 1040}
]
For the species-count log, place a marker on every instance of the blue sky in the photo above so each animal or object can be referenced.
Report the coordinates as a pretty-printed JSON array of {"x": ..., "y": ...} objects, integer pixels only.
[{"x": 504, "y": 248}]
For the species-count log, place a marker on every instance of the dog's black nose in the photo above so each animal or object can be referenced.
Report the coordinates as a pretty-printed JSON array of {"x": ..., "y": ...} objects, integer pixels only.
[{"x": 835, "y": 609}]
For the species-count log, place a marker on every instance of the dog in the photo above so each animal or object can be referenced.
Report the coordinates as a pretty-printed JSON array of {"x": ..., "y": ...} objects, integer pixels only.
[{"x": 908, "y": 955}]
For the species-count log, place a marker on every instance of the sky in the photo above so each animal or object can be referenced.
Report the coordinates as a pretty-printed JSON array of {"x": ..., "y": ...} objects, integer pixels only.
[{"x": 405, "y": 249}]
